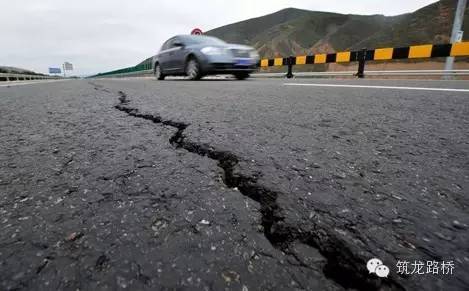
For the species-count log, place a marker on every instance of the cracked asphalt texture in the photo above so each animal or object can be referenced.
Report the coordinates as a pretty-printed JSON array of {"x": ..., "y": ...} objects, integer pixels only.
[{"x": 92, "y": 198}]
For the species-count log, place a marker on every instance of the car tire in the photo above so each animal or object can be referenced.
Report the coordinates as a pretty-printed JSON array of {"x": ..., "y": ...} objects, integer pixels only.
[
  {"x": 241, "y": 76},
  {"x": 193, "y": 70},
  {"x": 157, "y": 72}
]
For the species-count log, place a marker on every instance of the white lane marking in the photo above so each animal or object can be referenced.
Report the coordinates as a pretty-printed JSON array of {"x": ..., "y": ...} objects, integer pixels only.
[
  {"x": 20, "y": 83},
  {"x": 378, "y": 87}
]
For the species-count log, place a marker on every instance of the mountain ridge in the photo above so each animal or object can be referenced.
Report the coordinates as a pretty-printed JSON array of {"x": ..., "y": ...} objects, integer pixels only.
[{"x": 293, "y": 31}]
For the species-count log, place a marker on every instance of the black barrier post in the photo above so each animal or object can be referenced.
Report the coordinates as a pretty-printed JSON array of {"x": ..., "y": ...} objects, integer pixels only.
[
  {"x": 290, "y": 67},
  {"x": 361, "y": 64}
]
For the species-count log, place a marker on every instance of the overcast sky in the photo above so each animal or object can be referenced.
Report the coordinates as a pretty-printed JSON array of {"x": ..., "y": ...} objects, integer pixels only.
[{"x": 101, "y": 35}]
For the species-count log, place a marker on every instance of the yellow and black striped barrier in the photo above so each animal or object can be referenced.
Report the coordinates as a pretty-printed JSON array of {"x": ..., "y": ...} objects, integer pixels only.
[{"x": 381, "y": 54}]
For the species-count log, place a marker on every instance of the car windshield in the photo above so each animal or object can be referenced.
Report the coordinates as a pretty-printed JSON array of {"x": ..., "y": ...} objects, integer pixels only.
[{"x": 201, "y": 39}]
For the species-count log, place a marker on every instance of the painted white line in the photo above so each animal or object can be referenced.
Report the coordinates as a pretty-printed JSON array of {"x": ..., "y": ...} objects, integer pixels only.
[
  {"x": 378, "y": 87},
  {"x": 20, "y": 83}
]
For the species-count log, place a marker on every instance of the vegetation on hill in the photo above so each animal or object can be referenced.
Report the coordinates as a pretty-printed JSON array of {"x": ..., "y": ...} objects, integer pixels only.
[{"x": 294, "y": 31}]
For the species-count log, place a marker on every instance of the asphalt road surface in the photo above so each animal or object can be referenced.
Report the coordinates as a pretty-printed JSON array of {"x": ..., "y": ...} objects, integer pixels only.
[{"x": 264, "y": 184}]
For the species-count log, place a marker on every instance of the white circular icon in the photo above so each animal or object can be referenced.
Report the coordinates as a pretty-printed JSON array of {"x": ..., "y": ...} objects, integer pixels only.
[
  {"x": 372, "y": 264},
  {"x": 382, "y": 271}
]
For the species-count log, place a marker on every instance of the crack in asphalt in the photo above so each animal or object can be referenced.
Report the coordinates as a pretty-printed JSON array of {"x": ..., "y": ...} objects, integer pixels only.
[{"x": 342, "y": 266}]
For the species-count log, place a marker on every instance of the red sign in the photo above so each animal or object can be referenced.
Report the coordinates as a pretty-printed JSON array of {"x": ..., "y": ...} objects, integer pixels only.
[{"x": 196, "y": 31}]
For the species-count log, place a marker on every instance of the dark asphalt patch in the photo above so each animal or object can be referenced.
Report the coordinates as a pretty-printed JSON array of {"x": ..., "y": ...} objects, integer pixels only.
[{"x": 342, "y": 266}]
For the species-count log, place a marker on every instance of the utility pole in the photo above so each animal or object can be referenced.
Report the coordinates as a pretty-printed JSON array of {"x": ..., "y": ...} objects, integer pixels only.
[{"x": 456, "y": 33}]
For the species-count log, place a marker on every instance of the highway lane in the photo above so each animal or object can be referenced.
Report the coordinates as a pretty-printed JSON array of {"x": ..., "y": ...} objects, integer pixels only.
[{"x": 334, "y": 176}]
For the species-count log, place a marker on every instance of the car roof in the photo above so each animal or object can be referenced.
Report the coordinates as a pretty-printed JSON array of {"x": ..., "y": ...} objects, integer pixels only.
[{"x": 193, "y": 36}]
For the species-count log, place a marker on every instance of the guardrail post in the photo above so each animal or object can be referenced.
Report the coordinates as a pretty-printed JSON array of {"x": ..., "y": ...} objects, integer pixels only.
[
  {"x": 361, "y": 64},
  {"x": 289, "y": 74}
]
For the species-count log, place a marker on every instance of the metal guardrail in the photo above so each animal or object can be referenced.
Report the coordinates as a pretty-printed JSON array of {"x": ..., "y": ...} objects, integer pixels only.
[
  {"x": 371, "y": 73},
  {"x": 380, "y": 54},
  {"x": 24, "y": 77},
  {"x": 126, "y": 74},
  {"x": 139, "y": 69}
]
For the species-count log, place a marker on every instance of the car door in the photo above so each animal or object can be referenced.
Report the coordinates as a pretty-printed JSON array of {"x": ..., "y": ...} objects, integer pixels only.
[
  {"x": 163, "y": 57},
  {"x": 178, "y": 55},
  {"x": 175, "y": 54}
]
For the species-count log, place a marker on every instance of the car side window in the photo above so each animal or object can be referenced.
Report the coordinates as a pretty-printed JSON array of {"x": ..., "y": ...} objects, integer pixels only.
[
  {"x": 166, "y": 45},
  {"x": 172, "y": 42}
]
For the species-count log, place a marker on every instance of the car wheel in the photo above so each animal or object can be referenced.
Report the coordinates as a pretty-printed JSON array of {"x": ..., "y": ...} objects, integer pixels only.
[
  {"x": 158, "y": 74},
  {"x": 193, "y": 69},
  {"x": 241, "y": 76}
]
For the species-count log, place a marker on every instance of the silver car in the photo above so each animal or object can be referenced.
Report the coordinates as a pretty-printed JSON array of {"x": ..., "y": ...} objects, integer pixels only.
[{"x": 196, "y": 56}]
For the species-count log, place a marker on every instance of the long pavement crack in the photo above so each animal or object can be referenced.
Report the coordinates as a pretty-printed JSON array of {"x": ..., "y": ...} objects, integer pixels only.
[{"x": 342, "y": 265}]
